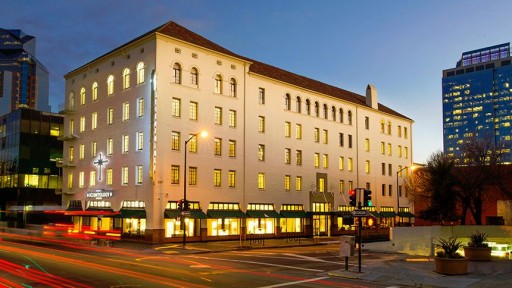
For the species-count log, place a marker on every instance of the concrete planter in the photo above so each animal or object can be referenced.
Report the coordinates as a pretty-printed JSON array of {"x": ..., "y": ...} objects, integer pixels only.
[
  {"x": 451, "y": 266},
  {"x": 477, "y": 253}
]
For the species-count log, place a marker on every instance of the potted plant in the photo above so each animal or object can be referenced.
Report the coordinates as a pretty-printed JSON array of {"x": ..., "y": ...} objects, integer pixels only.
[
  {"x": 477, "y": 250},
  {"x": 448, "y": 259}
]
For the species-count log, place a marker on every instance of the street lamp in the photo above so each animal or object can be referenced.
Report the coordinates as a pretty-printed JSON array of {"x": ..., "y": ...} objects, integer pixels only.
[
  {"x": 203, "y": 134},
  {"x": 398, "y": 191}
]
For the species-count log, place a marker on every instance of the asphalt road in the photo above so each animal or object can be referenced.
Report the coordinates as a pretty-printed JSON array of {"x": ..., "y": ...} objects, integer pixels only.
[{"x": 42, "y": 262}]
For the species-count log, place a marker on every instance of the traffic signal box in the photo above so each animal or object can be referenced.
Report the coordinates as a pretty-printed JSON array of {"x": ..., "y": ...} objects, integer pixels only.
[
  {"x": 353, "y": 197},
  {"x": 367, "y": 198},
  {"x": 180, "y": 204}
]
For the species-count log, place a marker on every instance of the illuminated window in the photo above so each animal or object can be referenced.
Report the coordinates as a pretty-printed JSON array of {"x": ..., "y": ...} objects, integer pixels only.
[
  {"x": 232, "y": 148},
  {"x": 194, "y": 76},
  {"x": 367, "y": 145},
  {"x": 382, "y": 148},
  {"x": 325, "y": 158},
  {"x": 81, "y": 151},
  {"x": 298, "y": 157},
  {"x": 341, "y": 163},
  {"x": 232, "y": 178},
  {"x": 389, "y": 149},
  {"x": 389, "y": 127},
  {"x": 124, "y": 176},
  {"x": 298, "y": 183},
  {"x": 94, "y": 120},
  {"x": 287, "y": 102},
  {"x": 175, "y": 174},
  {"x": 140, "y": 107},
  {"x": 316, "y": 160},
  {"x": 176, "y": 68},
  {"x": 94, "y": 147},
  {"x": 232, "y": 118},
  {"x": 406, "y": 152},
  {"x": 126, "y": 78},
  {"x": 287, "y": 182},
  {"x": 399, "y": 151},
  {"x": 81, "y": 179},
  {"x": 126, "y": 111},
  {"x": 317, "y": 135},
  {"x": 94, "y": 93},
  {"x": 287, "y": 156},
  {"x": 287, "y": 129},
  {"x": 82, "y": 96},
  {"x": 382, "y": 126},
  {"x": 71, "y": 154},
  {"x": 110, "y": 146},
  {"x": 192, "y": 175},
  {"x": 217, "y": 147},
  {"x": 192, "y": 110},
  {"x": 109, "y": 176},
  {"x": 176, "y": 107},
  {"x": 218, "y": 84},
  {"x": 298, "y": 131},
  {"x": 139, "y": 175},
  {"x": 217, "y": 177},
  {"x": 367, "y": 166},
  {"x": 175, "y": 140},
  {"x": 192, "y": 144},
  {"x": 326, "y": 137},
  {"x": 232, "y": 87},
  {"x": 217, "y": 115},
  {"x": 71, "y": 126},
  {"x": 92, "y": 178},
  {"x": 140, "y": 141},
  {"x": 341, "y": 186},
  {"x": 350, "y": 165},
  {"x": 321, "y": 185},
  {"x": 125, "y": 143},
  {"x": 261, "y": 124},
  {"x": 261, "y": 96},
  {"x": 70, "y": 180},
  {"x": 110, "y": 85},
  {"x": 261, "y": 180},
  {"x": 110, "y": 116},
  {"x": 140, "y": 73},
  {"x": 82, "y": 124},
  {"x": 261, "y": 152}
]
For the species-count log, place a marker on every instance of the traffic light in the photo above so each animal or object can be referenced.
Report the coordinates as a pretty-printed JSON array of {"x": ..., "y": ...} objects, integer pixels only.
[
  {"x": 180, "y": 205},
  {"x": 186, "y": 205},
  {"x": 353, "y": 197},
  {"x": 367, "y": 199}
]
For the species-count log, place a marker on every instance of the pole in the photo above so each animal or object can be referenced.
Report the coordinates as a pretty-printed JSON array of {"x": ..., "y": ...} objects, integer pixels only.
[
  {"x": 360, "y": 227},
  {"x": 398, "y": 198},
  {"x": 184, "y": 207}
]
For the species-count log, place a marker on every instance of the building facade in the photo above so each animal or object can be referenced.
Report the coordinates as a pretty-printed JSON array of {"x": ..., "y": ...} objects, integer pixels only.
[
  {"x": 30, "y": 179},
  {"x": 281, "y": 153},
  {"x": 23, "y": 79},
  {"x": 477, "y": 101}
]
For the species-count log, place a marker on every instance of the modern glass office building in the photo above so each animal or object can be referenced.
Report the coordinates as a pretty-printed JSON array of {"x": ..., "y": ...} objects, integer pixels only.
[
  {"x": 23, "y": 79},
  {"x": 477, "y": 101}
]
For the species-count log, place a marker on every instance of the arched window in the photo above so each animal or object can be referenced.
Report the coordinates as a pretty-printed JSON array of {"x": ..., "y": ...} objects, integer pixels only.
[
  {"x": 341, "y": 115},
  {"x": 94, "y": 91},
  {"x": 299, "y": 105},
  {"x": 140, "y": 73},
  {"x": 308, "y": 107},
  {"x": 82, "y": 96},
  {"x": 317, "y": 109},
  {"x": 389, "y": 127},
  {"x": 71, "y": 101},
  {"x": 218, "y": 84},
  {"x": 333, "y": 113},
  {"x": 232, "y": 87},
  {"x": 382, "y": 126},
  {"x": 126, "y": 78},
  {"x": 325, "y": 112},
  {"x": 349, "y": 117},
  {"x": 110, "y": 85},
  {"x": 177, "y": 73},
  {"x": 287, "y": 101},
  {"x": 194, "y": 76}
]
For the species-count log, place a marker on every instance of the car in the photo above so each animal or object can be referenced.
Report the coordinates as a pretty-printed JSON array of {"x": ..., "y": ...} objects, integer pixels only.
[{"x": 501, "y": 251}]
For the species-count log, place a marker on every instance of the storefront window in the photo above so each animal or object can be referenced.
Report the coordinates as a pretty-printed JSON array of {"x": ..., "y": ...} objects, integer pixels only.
[
  {"x": 291, "y": 225},
  {"x": 223, "y": 227}
]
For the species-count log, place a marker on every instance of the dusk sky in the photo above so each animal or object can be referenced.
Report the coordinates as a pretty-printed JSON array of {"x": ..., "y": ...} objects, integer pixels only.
[{"x": 401, "y": 47}]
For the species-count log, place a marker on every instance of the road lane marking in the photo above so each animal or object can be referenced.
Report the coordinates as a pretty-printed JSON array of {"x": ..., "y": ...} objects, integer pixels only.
[
  {"x": 296, "y": 282},
  {"x": 259, "y": 263}
]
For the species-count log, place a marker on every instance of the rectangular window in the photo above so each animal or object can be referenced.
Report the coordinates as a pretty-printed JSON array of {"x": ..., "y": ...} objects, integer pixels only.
[
  {"x": 317, "y": 135},
  {"x": 110, "y": 116},
  {"x": 232, "y": 178},
  {"x": 125, "y": 143},
  {"x": 261, "y": 96},
  {"x": 232, "y": 118},
  {"x": 192, "y": 176},
  {"x": 298, "y": 131},
  {"x": 366, "y": 123},
  {"x": 399, "y": 131},
  {"x": 217, "y": 147},
  {"x": 367, "y": 166},
  {"x": 261, "y": 152},
  {"x": 406, "y": 152},
  {"x": 383, "y": 169},
  {"x": 81, "y": 179},
  {"x": 399, "y": 151},
  {"x": 126, "y": 111},
  {"x": 390, "y": 169},
  {"x": 82, "y": 124},
  {"x": 261, "y": 124},
  {"x": 70, "y": 180},
  {"x": 140, "y": 141},
  {"x": 349, "y": 141},
  {"x": 192, "y": 111},
  {"x": 175, "y": 174},
  {"x": 71, "y": 154},
  {"x": 110, "y": 146},
  {"x": 232, "y": 148},
  {"x": 326, "y": 137},
  {"x": 341, "y": 186},
  {"x": 316, "y": 160},
  {"x": 71, "y": 127},
  {"x": 383, "y": 189},
  {"x": 192, "y": 144},
  {"x": 176, "y": 107},
  {"x": 287, "y": 184},
  {"x": 367, "y": 145},
  {"x": 405, "y": 132},
  {"x": 81, "y": 152},
  {"x": 287, "y": 129},
  {"x": 175, "y": 140},
  {"x": 287, "y": 156},
  {"x": 139, "y": 175},
  {"x": 261, "y": 180},
  {"x": 341, "y": 163},
  {"x": 298, "y": 157},
  {"x": 94, "y": 121},
  {"x": 390, "y": 190},
  {"x": 382, "y": 148},
  {"x": 350, "y": 185},
  {"x": 342, "y": 140},
  {"x": 94, "y": 148},
  {"x": 140, "y": 107},
  {"x": 124, "y": 176},
  {"x": 298, "y": 183},
  {"x": 109, "y": 179},
  {"x": 217, "y": 115},
  {"x": 389, "y": 149},
  {"x": 350, "y": 165},
  {"x": 92, "y": 178},
  {"x": 325, "y": 158},
  {"x": 217, "y": 177}
]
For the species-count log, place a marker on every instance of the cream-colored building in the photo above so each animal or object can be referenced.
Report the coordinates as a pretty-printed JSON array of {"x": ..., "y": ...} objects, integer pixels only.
[{"x": 281, "y": 153}]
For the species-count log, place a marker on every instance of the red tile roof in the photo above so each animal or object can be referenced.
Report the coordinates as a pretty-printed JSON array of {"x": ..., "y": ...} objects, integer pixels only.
[{"x": 177, "y": 31}]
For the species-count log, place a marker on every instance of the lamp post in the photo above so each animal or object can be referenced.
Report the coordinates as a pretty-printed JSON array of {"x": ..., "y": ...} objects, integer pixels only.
[
  {"x": 185, "y": 202},
  {"x": 398, "y": 191}
]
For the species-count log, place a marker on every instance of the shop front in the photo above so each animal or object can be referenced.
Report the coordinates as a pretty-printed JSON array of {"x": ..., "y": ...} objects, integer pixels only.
[
  {"x": 192, "y": 220},
  {"x": 293, "y": 220},
  {"x": 224, "y": 221}
]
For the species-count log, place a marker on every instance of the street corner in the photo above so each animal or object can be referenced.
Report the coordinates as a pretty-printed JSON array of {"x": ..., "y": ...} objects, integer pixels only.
[{"x": 368, "y": 276}]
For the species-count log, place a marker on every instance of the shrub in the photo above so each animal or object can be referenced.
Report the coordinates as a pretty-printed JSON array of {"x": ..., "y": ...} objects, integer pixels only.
[
  {"x": 477, "y": 239},
  {"x": 448, "y": 248}
]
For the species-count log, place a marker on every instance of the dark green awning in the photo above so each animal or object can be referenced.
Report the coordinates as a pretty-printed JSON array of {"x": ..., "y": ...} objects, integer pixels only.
[
  {"x": 132, "y": 213},
  {"x": 374, "y": 214},
  {"x": 345, "y": 214},
  {"x": 405, "y": 214},
  {"x": 195, "y": 214},
  {"x": 293, "y": 214},
  {"x": 388, "y": 214},
  {"x": 226, "y": 214},
  {"x": 262, "y": 214}
]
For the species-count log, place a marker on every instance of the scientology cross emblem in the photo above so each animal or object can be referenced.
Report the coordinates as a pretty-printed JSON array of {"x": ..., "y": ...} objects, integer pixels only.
[{"x": 100, "y": 162}]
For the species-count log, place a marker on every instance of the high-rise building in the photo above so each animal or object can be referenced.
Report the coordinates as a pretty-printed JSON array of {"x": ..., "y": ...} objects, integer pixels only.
[
  {"x": 23, "y": 79},
  {"x": 281, "y": 154},
  {"x": 477, "y": 100}
]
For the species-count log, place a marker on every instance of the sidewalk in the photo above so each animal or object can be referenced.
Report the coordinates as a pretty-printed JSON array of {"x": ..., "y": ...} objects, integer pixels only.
[{"x": 381, "y": 267}]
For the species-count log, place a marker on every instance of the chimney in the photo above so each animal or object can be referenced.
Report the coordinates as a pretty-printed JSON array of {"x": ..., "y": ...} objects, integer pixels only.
[{"x": 371, "y": 96}]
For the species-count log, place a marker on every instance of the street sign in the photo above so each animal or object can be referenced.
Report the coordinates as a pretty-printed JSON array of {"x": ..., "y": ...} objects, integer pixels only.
[
  {"x": 185, "y": 213},
  {"x": 359, "y": 213}
]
